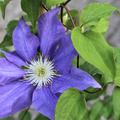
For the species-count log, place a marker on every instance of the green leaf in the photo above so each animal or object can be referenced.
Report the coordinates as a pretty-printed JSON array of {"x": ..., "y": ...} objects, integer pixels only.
[
  {"x": 71, "y": 106},
  {"x": 51, "y": 3},
  {"x": 31, "y": 7},
  {"x": 10, "y": 27},
  {"x": 95, "y": 11},
  {"x": 24, "y": 115},
  {"x": 107, "y": 111},
  {"x": 3, "y": 5},
  {"x": 41, "y": 117},
  {"x": 95, "y": 111},
  {"x": 1, "y": 0},
  {"x": 7, "y": 41},
  {"x": 94, "y": 49},
  {"x": 117, "y": 65},
  {"x": 101, "y": 26},
  {"x": 89, "y": 68},
  {"x": 101, "y": 108},
  {"x": 116, "y": 103}
]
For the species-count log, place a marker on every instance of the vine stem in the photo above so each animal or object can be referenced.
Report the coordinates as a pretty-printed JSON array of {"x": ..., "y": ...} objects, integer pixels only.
[
  {"x": 70, "y": 16},
  {"x": 44, "y": 7},
  {"x": 66, "y": 2},
  {"x": 78, "y": 61},
  {"x": 61, "y": 14},
  {"x": 73, "y": 23}
]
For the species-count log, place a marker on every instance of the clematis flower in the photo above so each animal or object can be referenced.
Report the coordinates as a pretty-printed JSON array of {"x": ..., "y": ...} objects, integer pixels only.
[{"x": 40, "y": 67}]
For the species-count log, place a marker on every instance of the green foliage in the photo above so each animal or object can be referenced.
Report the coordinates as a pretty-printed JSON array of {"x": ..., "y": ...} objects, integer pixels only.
[
  {"x": 89, "y": 68},
  {"x": 3, "y": 5},
  {"x": 101, "y": 108},
  {"x": 101, "y": 26},
  {"x": 71, "y": 106},
  {"x": 95, "y": 50},
  {"x": 95, "y": 17},
  {"x": 31, "y": 7},
  {"x": 117, "y": 65},
  {"x": 41, "y": 117},
  {"x": 95, "y": 11},
  {"x": 10, "y": 27},
  {"x": 7, "y": 41},
  {"x": 116, "y": 103},
  {"x": 67, "y": 21},
  {"x": 107, "y": 111},
  {"x": 95, "y": 112},
  {"x": 24, "y": 115},
  {"x": 51, "y": 3}
]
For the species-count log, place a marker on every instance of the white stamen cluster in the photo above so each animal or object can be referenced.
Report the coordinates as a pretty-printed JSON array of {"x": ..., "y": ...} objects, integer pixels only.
[{"x": 40, "y": 72}]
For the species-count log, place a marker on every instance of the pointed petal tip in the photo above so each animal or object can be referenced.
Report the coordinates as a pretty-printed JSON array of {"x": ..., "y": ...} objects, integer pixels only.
[
  {"x": 50, "y": 31},
  {"x": 78, "y": 79},
  {"x": 24, "y": 41},
  {"x": 22, "y": 20},
  {"x": 53, "y": 11},
  {"x": 98, "y": 86}
]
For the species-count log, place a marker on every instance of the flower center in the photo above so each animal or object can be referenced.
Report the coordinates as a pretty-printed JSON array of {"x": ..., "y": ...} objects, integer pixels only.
[{"x": 40, "y": 72}]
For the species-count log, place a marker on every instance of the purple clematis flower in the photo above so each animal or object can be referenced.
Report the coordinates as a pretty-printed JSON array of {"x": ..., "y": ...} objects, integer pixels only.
[{"x": 31, "y": 78}]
